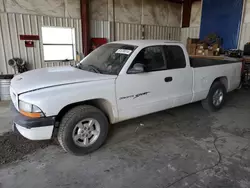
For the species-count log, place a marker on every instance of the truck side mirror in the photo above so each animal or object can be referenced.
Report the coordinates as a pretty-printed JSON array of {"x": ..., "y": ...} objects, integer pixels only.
[{"x": 136, "y": 69}]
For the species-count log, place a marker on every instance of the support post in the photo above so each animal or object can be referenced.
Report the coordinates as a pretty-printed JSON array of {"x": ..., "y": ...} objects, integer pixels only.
[{"x": 85, "y": 26}]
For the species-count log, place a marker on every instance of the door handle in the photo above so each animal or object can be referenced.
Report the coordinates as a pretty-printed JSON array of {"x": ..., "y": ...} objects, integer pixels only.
[{"x": 168, "y": 79}]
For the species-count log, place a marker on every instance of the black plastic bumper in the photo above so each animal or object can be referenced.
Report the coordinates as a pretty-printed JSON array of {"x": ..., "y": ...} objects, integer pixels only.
[{"x": 28, "y": 122}]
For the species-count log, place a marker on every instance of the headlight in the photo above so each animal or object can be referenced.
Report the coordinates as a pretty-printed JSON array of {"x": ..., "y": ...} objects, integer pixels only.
[{"x": 30, "y": 110}]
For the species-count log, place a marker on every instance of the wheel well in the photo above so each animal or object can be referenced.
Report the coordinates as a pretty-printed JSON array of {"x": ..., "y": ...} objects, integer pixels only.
[
  {"x": 223, "y": 80},
  {"x": 101, "y": 104}
]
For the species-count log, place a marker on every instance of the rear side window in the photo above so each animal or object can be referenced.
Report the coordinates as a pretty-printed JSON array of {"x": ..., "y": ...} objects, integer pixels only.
[{"x": 175, "y": 57}]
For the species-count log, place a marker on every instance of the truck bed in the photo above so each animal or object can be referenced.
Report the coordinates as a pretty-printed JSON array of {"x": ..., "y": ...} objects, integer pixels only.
[{"x": 204, "y": 62}]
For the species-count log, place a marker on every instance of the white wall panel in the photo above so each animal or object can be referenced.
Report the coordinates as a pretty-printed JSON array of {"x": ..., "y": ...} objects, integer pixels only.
[
  {"x": 126, "y": 31},
  {"x": 13, "y": 35},
  {"x": 245, "y": 35},
  {"x": 191, "y": 32},
  {"x": 3, "y": 65},
  {"x": 100, "y": 29},
  {"x": 6, "y": 40},
  {"x": 2, "y": 7},
  {"x": 30, "y": 51},
  {"x": 35, "y": 29},
  {"x": 39, "y": 45},
  {"x": 162, "y": 32},
  {"x": 13, "y": 25},
  {"x": 20, "y": 30}
]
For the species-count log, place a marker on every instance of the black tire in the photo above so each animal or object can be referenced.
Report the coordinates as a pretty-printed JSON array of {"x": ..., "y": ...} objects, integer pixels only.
[
  {"x": 208, "y": 102},
  {"x": 68, "y": 123}
]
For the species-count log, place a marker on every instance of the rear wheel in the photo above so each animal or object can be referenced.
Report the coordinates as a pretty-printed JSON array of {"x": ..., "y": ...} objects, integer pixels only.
[
  {"x": 83, "y": 129},
  {"x": 215, "y": 98}
]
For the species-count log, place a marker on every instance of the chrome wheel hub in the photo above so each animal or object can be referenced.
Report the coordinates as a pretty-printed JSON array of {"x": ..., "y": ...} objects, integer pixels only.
[
  {"x": 218, "y": 97},
  {"x": 86, "y": 132}
]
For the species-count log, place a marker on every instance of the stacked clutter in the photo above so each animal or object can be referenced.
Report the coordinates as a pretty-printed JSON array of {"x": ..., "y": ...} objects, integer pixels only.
[
  {"x": 208, "y": 47},
  {"x": 192, "y": 45},
  {"x": 202, "y": 49}
]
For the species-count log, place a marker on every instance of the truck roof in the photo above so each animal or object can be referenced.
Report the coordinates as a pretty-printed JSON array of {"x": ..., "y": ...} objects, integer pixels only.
[{"x": 145, "y": 42}]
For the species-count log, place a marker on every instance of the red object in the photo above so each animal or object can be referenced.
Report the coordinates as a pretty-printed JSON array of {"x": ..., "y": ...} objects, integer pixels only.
[
  {"x": 85, "y": 26},
  {"x": 29, "y": 43},
  {"x": 29, "y": 37},
  {"x": 96, "y": 42}
]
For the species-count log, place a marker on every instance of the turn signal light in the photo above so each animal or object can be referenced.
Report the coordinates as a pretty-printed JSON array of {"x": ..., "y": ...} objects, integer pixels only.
[{"x": 29, "y": 114}]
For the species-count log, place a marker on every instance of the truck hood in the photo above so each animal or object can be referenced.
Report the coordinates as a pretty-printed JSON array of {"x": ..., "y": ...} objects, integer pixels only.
[{"x": 54, "y": 76}]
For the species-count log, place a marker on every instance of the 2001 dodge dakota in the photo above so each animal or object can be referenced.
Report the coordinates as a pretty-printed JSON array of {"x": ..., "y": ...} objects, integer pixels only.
[{"x": 118, "y": 81}]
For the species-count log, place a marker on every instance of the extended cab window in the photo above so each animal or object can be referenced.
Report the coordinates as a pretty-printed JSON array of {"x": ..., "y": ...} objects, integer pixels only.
[
  {"x": 175, "y": 57},
  {"x": 152, "y": 57}
]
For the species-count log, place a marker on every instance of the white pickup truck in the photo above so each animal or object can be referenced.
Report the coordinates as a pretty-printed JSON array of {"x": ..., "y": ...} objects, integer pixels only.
[{"x": 118, "y": 81}]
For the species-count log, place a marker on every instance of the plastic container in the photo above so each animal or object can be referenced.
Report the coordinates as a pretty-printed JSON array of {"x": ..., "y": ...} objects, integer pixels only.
[{"x": 5, "y": 87}]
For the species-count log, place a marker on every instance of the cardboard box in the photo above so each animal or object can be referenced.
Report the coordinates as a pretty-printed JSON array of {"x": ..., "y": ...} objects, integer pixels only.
[
  {"x": 216, "y": 53},
  {"x": 218, "y": 41},
  {"x": 215, "y": 47},
  {"x": 191, "y": 51},
  {"x": 191, "y": 45},
  {"x": 192, "y": 41},
  {"x": 208, "y": 52},
  {"x": 200, "y": 52},
  {"x": 191, "y": 48},
  {"x": 202, "y": 46}
]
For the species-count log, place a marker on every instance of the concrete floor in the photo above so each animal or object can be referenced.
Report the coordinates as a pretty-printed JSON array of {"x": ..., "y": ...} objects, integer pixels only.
[
  {"x": 5, "y": 119},
  {"x": 182, "y": 147}
]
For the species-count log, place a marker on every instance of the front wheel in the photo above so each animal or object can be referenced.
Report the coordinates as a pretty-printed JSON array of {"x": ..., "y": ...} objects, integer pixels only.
[
  {"x": 83, "y": 130},
  {"x": 215, "y": 98}
]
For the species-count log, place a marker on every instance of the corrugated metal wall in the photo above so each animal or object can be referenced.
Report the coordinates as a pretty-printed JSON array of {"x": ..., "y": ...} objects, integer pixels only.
[
  {"x": 245, "y": 35},
  {"x": 192, "y": 32},
  {"x": 13, "y": 25},
  {"x": 100, "y": 29},
  {"x": 162, "y": 32},
  {"x": 125, "y": 31}
]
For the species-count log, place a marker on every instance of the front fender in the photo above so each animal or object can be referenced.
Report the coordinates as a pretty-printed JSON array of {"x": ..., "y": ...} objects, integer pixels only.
[{"x": 52, "y": 100}]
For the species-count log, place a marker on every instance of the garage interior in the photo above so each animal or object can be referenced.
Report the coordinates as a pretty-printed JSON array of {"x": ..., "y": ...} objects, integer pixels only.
[{"x": 181, "y": 147}]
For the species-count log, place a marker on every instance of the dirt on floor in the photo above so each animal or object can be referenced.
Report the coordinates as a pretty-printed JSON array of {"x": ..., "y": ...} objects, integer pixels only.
[
  {"x": 181, "y": 147},
  {"x": 15, "y": 147}
]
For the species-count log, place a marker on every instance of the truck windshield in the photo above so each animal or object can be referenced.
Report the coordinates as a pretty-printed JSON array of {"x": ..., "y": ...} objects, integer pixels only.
[{"x": 107, "y": 59}]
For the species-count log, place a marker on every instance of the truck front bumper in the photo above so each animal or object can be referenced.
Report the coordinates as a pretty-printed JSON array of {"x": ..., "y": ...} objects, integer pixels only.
[{"x": 32, "y": 128}]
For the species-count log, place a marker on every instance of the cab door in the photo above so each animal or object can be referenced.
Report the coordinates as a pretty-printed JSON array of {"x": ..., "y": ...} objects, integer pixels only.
[
  {"x": 148, "y": 91},
  {"x": 179, "y": 70}
]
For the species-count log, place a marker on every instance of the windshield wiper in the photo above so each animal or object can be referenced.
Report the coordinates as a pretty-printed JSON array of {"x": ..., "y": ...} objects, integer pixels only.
[
  {"x": 94, "y": 68},
  {"x": 90, "y": 68}
]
